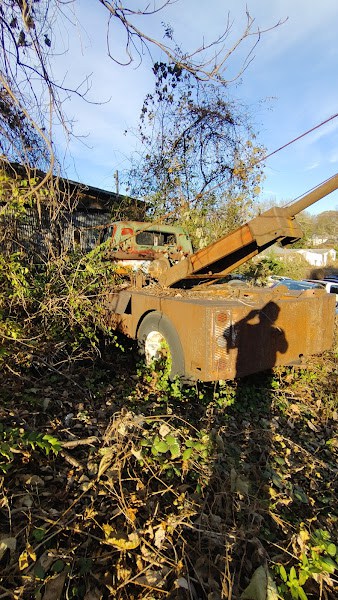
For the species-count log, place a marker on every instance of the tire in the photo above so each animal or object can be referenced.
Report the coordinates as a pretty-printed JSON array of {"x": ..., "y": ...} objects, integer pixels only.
[{"x": 157, "y": 338}]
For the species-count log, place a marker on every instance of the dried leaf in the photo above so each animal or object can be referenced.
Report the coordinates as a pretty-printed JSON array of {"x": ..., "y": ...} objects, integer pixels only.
[
  {"x": 106, "y": 461},
  {"x": 151, "y": 578},
  {"x": 182, "y": 583},
  {"x": 54, "y": 587},
  {"x": 137, "y": 453},
  {"x": 131, "y": 514},
  {"x": 261, "y": 586},
  {"x": 159, "y": 537},
  {"x": 93, "y": 595},
  {"x": 123, "y": 572},
  {"x": 239, "y": 485},
  {"x": 26, "y": 500},
  {"x": 121, "y": 540},
  {"x": 164, "y": 430},
  {"x": 7, "y": 543},
  {"x": 33, "y": 480},
  {"x": 31, "y": 552}
]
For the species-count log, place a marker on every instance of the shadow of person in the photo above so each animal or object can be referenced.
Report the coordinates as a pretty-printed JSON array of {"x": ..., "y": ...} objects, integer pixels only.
[
  {"x": 239, "y": 485},
  {"x": 258, "y": 340}
]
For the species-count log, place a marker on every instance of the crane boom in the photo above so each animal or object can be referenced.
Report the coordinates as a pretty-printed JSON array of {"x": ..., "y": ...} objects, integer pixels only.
[{"x": 232, "y": 250}]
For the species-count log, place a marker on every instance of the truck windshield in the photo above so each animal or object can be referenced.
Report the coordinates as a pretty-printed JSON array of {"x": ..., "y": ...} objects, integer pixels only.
[{"x": 155, "y": 238}]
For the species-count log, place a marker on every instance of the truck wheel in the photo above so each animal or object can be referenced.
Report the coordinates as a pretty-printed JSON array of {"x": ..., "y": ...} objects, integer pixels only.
[{"x": 158, "y": 340}]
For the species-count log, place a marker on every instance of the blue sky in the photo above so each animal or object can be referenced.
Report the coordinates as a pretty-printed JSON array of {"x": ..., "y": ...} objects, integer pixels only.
[{"x": 290, "y": 86}]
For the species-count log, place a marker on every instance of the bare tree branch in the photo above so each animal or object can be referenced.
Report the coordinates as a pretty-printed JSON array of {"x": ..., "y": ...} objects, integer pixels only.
[{"x": 198, "y": 62}]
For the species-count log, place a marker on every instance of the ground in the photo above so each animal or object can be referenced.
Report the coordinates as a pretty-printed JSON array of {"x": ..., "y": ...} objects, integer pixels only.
[{"x": 118, "y": 484}]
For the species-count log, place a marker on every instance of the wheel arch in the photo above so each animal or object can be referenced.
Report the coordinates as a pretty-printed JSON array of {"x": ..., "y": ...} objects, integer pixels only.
[
  {"x": 148, "y": 312},
  {"x": 168, "y": 329}
]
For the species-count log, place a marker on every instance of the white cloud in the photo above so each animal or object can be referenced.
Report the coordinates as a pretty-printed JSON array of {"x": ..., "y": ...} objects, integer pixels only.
[
  {"x": 312, "y": 166},
  {"x": 334, "y": 157}
]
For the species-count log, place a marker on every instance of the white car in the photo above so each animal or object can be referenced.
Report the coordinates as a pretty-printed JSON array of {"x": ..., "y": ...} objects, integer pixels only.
[{"x": 330, "y": 286}]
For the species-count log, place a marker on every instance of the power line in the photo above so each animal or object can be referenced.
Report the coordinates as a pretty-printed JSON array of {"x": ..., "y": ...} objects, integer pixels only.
[
  {"x": 266, "y": 156},
  {"x": 263, "y": 158},
  {"x": 299, "y": 137}
]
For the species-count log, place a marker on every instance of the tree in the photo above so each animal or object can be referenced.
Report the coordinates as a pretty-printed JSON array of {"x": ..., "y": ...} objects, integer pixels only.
[
  {"x": 326, "y": 223},
  {"x": 200, "y": 161},
  {"x": 32, "y": 99}
]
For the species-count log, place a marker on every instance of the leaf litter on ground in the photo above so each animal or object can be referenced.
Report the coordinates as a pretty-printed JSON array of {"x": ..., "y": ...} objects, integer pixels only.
[{"x": 154, "y": 493}]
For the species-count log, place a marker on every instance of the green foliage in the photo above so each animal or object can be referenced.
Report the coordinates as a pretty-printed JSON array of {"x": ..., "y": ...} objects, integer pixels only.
[
  {"x": 17, "y": 193},
  {"x": 175, "y": 453},
  {"x": 18, "y": 441},
  {"x": 260, "y": 270},
  {"x": 317, "y": 561},
  {"x": 271, "y": 264},
  {"x": 60, "y": 300}
]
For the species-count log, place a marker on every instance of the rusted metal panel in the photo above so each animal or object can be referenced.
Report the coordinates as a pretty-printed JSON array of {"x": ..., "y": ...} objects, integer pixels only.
[
  {"x": 228, "y": 333},
  {"x": 278, "y": 331},
  {"x": 274, "y": 224},
  {"x": 231, "y": 250}
]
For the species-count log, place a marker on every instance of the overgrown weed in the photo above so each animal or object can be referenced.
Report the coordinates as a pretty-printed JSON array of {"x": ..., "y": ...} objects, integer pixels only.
[{"x": 190, "y": 491}]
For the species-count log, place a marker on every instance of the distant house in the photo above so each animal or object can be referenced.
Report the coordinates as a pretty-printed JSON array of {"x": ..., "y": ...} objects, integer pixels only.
[
  {"x": 74, "y": 221},
  {"x": 318, "y": 240},
  {"x": 319, "y": 258},
  {"x": 315, "y": 257}
]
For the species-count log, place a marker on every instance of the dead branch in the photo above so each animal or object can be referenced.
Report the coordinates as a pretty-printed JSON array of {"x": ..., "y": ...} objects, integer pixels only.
[{"x": 82, "y": 442}]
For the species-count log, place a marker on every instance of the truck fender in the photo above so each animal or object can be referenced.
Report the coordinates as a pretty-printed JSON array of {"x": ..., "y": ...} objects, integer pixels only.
[{"x": 157, "y": 323}]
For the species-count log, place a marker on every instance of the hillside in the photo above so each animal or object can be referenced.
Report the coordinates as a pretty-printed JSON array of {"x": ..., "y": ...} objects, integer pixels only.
[{"x": 326, "y": 223}]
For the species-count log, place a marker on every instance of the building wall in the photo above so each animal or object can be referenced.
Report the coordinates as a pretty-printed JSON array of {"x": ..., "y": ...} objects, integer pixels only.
[{"x": 45, "y": 233}]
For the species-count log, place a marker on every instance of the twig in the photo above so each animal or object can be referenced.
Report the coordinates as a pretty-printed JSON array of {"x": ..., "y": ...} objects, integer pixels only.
[
  {"x": 81, "y": 442},
  {"x": 71, "y": 460}
]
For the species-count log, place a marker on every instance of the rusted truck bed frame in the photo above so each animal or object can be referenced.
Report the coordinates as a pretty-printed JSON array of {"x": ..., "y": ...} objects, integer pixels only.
[
  {"x": 216, "y": 332},
  {"x": 227, "y": 334}
]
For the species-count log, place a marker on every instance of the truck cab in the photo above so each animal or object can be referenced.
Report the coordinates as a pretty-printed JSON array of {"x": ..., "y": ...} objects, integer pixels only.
[{"x": 135, "y": 245}]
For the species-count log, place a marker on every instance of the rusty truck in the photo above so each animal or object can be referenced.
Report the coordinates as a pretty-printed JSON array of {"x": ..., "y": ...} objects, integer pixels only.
[{"x": 177, "y": 304}]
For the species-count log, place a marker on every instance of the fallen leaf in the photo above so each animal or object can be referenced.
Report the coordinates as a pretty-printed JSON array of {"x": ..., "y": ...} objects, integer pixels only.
[
  {"x": 106, "y": 461},
  {"x": 312, "y": 426},
  {"x": 26, "y": 500},
  {"x": 238, "y": 484},
  {"x": 164, "y": 430},
  {"x": 151, "y": 578},
  {"x": 93, "y": 595},
  {"x": 54, "y": 587},
  {"x": 7, "y": 543},
  {"x": 31, "y": 552},
  {"x": 120, "y": 539},
  {"x": 33, "y": 480},
  {"x": 159, "y": 537},
  {"x": 261, "y": 586},
  {"x": 23, "y": 560},
  {"x": 123, "y": 573},
  {"x": 182, "y": 583}
]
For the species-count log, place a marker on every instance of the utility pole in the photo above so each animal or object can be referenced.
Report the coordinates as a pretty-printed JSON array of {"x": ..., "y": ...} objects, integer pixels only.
[{"x": 116, "y": 177}]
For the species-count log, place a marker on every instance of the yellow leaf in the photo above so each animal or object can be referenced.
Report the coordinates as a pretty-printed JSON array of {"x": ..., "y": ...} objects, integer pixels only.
[
  {"x": 23, "y": 560},
  {"x": 31, "y": 552},
  {"x": 131, "y": 514},
  {"x": 123, "y": 572},
  {"x": 121, "y": 540}
]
